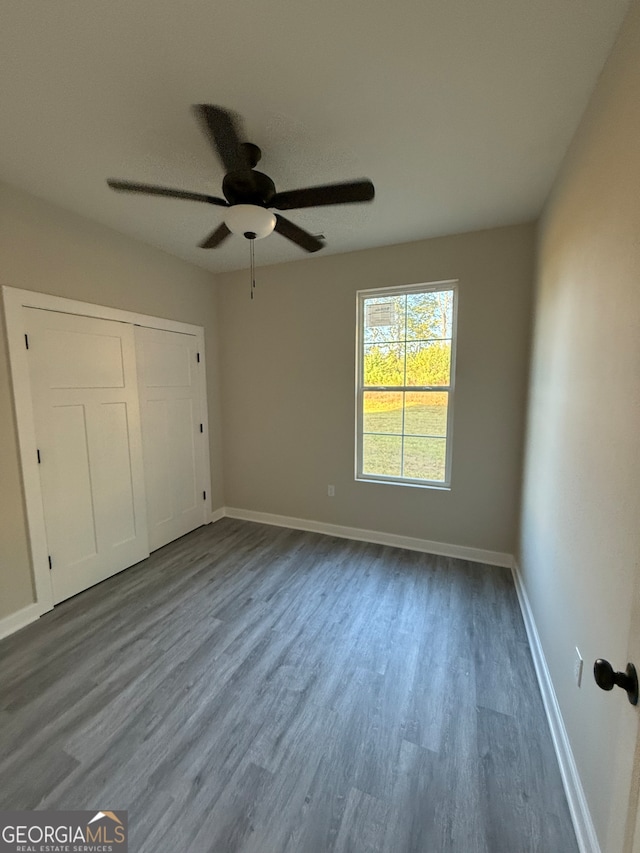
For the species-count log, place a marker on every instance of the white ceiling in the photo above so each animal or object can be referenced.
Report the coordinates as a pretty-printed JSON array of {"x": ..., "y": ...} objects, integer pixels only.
[{"x": 459, "y": 110}]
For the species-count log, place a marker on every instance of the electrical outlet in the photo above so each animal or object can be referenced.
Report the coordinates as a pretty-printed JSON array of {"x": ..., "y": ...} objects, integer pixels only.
[
  {"x": 331, "y": 491},
  {"x": 577, "y": 668}
]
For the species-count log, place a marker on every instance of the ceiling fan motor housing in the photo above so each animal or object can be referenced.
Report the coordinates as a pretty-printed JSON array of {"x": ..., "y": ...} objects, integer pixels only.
[{"x": 248, "y": 187}]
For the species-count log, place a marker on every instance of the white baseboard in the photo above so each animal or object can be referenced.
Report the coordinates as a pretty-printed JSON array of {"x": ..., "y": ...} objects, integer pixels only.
[
  {"x": 20, "y": 619},
  {"x": 580, "y": 814},
  {"x": 217, "y": 514},
  {"x": 462, "y": 552}
]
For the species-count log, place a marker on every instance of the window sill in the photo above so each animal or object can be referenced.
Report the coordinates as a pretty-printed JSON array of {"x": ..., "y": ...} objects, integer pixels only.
[{"x": 379, "y": 481}]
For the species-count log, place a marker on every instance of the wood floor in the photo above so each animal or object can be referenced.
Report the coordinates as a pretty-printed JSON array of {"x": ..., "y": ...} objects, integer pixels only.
[{"x": 256, "y": 689}]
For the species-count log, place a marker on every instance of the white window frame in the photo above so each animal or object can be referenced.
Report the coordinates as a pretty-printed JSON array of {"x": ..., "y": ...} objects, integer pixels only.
[{"x": 399, "y": 290}]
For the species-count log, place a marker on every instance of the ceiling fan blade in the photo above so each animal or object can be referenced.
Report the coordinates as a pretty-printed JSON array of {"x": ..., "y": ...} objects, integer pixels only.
[
  {"x": 345, "y": 193},
  {"x": 223, "y": 130},
  {"x": 151, "y": 189},
  {"x": 298, "y": 235},
  {"x": 215, "y": 238}
]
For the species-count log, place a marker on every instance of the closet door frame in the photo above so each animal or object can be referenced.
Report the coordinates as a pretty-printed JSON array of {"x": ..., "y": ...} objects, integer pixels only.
[{"x": 15, "y": 300}]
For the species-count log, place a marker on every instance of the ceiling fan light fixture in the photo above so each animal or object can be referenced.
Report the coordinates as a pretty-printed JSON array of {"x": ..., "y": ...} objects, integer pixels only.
[{"x": 250, "y": 220}]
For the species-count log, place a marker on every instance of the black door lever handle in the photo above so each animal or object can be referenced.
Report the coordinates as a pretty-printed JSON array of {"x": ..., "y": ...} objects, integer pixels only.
[{"x": 606, "y": 678}]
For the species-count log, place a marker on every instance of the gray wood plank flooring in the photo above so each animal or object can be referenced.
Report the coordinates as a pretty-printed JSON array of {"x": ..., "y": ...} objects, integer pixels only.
[{"x": 252, "y": 689}]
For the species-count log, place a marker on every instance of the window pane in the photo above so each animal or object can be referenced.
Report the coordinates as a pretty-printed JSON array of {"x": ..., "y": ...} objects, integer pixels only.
[
  {"x": 429, "y": 363},
  {"x": 429, "y": 315},
  {"x": 384, "y": 318},
  {"x": 426, "y": 413},
  {"x": 382, "y": 411},
  {"x": 424, "y": 458},
  {"x": 382, "y": 454},
  {"x": 384, "y": 364}
]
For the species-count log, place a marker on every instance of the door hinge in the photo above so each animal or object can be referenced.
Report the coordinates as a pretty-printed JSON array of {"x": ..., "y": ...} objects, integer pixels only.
[
  {"x": 204, "y": 496},
  {"x": 198, "y": 356},
  {"x": 50, "y": 563},
  {"x": 26, "y": 341},
  {"x": 38, "y": 452},
  {"x": 201, "y": 428}
]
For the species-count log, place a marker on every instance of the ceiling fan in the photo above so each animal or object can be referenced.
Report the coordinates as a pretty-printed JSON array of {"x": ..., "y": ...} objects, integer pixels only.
[{"x": 248, "y": 194}]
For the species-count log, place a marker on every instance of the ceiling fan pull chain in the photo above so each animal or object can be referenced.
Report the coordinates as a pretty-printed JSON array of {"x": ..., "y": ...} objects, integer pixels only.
[{"x": 253, "y": 266}]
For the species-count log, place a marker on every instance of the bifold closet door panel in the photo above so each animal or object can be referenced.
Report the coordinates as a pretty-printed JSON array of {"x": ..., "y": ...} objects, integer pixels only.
[
  {"x": 86, "y": 415},
  {"x": 171, "y": 406}
]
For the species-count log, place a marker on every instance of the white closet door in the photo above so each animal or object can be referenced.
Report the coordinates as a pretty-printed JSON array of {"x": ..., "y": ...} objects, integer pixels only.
[
  {"x": 85, "y": 401},
  {"x": 171, "y": 407}
]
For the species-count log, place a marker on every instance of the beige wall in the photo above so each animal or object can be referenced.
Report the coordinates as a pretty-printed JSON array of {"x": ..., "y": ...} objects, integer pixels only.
[
  {"x": 581, "y": 504},
  {"x": 47, "y": 249},
  {"x": 288, "y": 372}
]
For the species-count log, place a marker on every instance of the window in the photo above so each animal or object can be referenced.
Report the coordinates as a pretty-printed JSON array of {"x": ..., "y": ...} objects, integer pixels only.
[{"x": 405, "y": 371}]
